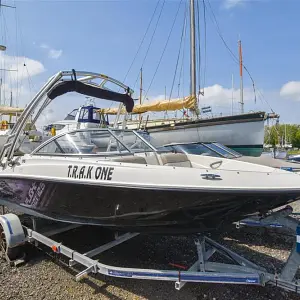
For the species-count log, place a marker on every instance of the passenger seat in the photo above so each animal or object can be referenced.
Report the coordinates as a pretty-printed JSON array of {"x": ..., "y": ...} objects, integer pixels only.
[
  {"x": 176, "y": 160},
  {"x": 132, "y": 160}
]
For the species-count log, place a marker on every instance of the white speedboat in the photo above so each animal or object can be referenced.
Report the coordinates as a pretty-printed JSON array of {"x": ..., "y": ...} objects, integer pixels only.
[
  {"x": 86, "y": 116},
  {"x": 128, "y": 184},
  {"x": 219, "y": 150}
]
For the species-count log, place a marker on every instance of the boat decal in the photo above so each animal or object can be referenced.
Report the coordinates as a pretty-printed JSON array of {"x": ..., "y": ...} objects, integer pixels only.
[
  {"x": 290, "y": 169},
  {"x": 298, "y": 238},
  {"x": 118, "y": 273},
  {"x": 210, "y": 176},
  {"x": 90, "y": 172},
  {"x": 34, "y": 193}
]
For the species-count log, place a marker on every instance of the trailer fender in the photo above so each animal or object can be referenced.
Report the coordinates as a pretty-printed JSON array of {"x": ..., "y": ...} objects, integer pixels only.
[{"x": 13, "y": 230}]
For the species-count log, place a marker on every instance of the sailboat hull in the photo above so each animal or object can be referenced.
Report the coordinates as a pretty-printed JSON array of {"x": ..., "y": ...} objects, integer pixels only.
[
  {"x": 243, "y": 133},
  {"x": 137, "y": 209}
]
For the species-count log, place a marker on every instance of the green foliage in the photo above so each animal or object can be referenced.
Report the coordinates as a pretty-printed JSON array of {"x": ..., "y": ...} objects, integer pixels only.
[
  {"x": 275, "y": 135},
  {"x": 296, "y": 140}
]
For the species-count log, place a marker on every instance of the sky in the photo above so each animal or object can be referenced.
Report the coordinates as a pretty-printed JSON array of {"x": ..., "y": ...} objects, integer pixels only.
[{"x": 44, "y": 37}]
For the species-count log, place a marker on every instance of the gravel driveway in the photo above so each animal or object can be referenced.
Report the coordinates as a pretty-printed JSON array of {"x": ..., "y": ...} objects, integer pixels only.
[{"x": 45, "y": 278}]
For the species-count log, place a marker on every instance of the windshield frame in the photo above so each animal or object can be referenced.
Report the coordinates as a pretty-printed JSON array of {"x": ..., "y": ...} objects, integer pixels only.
[
  {"x": 109, "y": 153},
  {"x": 225, "y": 148},
  {"x": 212, "y": 146},
  {"x": 184, "y": 148}
]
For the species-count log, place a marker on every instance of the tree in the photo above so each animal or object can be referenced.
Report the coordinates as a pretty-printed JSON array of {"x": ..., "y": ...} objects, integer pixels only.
[
  {"x": 276, "y": 134},
  {"x": 296, "y": 141}
]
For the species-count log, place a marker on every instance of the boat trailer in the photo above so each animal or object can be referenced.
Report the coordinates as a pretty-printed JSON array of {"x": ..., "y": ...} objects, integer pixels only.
[{"x": 14, "y": 235}]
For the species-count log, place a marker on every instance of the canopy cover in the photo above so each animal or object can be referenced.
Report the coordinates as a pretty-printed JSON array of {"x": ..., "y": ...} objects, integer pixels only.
[
  {"x": 165, "y": 105},
  {"x": 89, "y": 90}
]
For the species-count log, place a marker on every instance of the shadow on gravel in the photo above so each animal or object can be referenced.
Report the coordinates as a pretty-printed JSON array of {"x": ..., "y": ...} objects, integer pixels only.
[
  {"x": 160, "y": 252},
  {"x": 279, "y": 239}
]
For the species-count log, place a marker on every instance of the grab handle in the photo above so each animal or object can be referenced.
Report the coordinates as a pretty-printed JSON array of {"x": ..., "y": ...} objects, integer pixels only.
[{"x": 219, "y": 163}]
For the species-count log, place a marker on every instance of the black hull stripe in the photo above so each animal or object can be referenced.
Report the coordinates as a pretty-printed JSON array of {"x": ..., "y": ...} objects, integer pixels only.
[
  {"x": 246, "y": 118},
  {"x": 257, "y": 146},
  {"x": 135, "y": 209}
]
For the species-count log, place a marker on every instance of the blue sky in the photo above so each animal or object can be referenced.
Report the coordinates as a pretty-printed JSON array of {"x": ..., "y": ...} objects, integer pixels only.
[{"x": 103, "y": 36}]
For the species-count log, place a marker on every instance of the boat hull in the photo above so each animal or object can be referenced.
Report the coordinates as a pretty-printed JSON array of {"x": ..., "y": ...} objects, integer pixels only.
[
  {"x": 147, "y": 210},
  {"x": 243, "y": 133}
]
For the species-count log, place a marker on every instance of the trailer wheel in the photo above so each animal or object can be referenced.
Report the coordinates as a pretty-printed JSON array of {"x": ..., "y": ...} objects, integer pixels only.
[
  {"x": 9, "y": 254},
  {"x": 3, "y": 243}
]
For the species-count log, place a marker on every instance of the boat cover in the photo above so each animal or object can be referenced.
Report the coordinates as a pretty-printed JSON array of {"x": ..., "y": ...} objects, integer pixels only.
[
  {"x": 171, "y": 105},
  {"x": 89, "y": 90},
  {"x": 10, "y": 110}
]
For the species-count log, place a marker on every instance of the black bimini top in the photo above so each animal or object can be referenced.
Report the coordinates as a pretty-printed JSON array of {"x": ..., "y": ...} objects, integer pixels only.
[{"x": 89, "y": 90}]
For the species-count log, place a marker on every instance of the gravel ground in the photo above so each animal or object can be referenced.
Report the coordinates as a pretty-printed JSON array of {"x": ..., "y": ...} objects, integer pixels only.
[{"x": 43, "y": 277}]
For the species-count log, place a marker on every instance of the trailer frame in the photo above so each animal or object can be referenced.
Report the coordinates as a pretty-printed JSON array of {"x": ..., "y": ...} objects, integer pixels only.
[{"x": 239, "y": 271}]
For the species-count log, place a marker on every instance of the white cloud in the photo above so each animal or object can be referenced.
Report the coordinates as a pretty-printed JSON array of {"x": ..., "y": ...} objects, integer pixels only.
[
  {"x": 291, "y": 90},
  {"x": 155, "y": 98},
  {"x": 228, "y": 4},
  {"x": 17, "y": 82},
  {"x": 24, "y": 67},
  {"x": 44, "y": 46},
  {"x": 217, "y": 94},
  {"x": 55, "y": 54},
  {"x": 52, "y": 53}
]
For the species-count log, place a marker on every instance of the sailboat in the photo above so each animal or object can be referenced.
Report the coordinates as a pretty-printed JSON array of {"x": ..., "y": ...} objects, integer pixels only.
[
  {"x": 9, "y": 115},
  {"x": 242, "y": 132}
]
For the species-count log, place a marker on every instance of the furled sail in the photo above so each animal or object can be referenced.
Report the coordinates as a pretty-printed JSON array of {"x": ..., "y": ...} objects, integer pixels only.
[
  {"x": 165, "y": 105},
  {"x": 10, "y": 110}
]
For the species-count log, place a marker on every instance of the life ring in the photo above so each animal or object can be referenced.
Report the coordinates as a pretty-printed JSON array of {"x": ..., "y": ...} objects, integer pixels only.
[{"x": 4, "y": 124}]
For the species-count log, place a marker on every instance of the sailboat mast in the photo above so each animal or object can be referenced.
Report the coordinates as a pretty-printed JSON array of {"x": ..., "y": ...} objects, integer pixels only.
[
  {"x": 241, "y": 77},
  {"x": 193, "y": 48},
  {"x": 3, "y": 48},
  {"x": 285, "y": 134},
  {"x": 141, "y": 90},
  {"x": 0, "y": 91},
  {"x": 193, "y": 53},
  {"x": 10, "y": 104},
  {"x": 141, "y": 85},
  {"x": 232, "y": 92}
]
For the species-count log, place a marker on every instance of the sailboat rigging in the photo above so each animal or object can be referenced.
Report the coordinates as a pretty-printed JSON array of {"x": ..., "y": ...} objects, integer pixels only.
[
  {"x": 241, "y": 77},
  {"x": 243, "y": 132},
  {"x": 9, "y": 113}
]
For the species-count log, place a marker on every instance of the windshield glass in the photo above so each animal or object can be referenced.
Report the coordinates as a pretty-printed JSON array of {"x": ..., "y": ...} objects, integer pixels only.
[
  {"x": 198, "y": 149},
  {"x": 96, "y": 141},
  {"x": 220, "y": 150},
  {"x": 233, "y": 152},
  {"x": 71, "y": 115}
]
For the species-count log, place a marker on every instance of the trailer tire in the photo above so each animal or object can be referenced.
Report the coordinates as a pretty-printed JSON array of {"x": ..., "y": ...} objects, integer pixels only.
[
  {"x": 7, "y": 253},
  {"x": 12, "y": 237}
]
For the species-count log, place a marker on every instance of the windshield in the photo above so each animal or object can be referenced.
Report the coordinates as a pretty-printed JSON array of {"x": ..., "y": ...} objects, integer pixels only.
[
  {"x": 233, "y": 152},
  {"x": 71, "y": 115},
  {"x": 198, "y": 149},
  {"x": 95, "y": 141},
  {"x": 220, "y": 150}
]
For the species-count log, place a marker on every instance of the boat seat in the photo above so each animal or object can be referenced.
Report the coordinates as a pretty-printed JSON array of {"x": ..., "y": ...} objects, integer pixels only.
[
  {"x": 177, "y": 160},
  {"x": 132, "y": 160}
]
